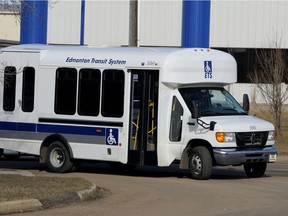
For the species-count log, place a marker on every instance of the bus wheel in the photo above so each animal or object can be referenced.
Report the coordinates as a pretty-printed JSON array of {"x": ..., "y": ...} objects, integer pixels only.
[
  {"x": 255, "y": 170},
  {"x": 200, "y": 163},
  {"x": 58, "y": 158}
]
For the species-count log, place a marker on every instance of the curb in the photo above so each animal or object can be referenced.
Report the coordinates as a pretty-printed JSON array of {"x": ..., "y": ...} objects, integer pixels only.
[
  {"x": 88, "y": 193},
  {"x": 20, "y": 206}
]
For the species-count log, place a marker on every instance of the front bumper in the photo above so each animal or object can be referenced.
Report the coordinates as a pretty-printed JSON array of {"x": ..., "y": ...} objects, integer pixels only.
[{"x": 238, "y": 157}]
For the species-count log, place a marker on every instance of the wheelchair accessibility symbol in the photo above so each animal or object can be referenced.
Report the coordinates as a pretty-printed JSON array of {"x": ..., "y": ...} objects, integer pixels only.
[{"x": 111, "y": 136}]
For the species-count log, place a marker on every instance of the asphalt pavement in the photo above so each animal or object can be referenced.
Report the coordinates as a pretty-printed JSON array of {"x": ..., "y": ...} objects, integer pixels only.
[{"x": 16, "y": 206}]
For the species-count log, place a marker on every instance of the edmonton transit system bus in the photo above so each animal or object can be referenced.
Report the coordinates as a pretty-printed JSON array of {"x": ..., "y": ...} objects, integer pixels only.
[{"x": 129, "y": 107}]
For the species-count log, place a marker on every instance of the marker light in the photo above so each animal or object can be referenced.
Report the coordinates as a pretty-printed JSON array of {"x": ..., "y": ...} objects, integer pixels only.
[{"x": 225, "y": 137}]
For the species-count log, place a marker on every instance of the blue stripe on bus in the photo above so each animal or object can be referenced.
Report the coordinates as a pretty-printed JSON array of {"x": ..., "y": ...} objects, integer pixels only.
[
  {"x": 8, "y": 126},
  {"x": 49, "y": 128},
  {"x": 26, "y": 127},
  {"x": 71, "y": 129}
]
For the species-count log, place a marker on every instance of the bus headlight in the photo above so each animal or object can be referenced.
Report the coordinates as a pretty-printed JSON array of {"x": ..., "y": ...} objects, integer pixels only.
[
  {"x": 271, "y": 136},
  {"x": 225, "y": 137}
]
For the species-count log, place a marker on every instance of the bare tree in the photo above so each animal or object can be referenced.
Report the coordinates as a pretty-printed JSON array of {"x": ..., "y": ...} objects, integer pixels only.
[
  {"x": 269, "y": 75},
  {"x": 14, "y": 7}
]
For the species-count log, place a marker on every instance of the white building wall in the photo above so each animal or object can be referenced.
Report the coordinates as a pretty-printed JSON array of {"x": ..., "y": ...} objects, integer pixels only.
[
  {"x": 235, "y": 23},
  {"x": 106, "y": 23},
  {"x": 64, "y": 22},
  {"x": 249, "y": 24},
  {"x": 160, "y": 23}
]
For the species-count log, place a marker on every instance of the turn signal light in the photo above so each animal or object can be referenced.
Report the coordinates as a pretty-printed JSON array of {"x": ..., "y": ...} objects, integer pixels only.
[{"x": 220, "y": 137}]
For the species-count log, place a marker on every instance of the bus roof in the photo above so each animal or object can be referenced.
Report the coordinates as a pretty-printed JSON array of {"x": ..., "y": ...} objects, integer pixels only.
[{"x": 180, "y": 66}]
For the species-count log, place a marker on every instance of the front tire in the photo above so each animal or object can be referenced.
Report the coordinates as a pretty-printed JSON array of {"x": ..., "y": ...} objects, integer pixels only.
[
  {"x": 58, "y": 158},
  {"x": 200, "y": 163},
  {"x": 255, "y": 170}
]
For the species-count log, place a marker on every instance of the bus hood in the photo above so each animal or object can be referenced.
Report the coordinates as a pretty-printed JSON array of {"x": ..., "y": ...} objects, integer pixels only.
[{"x": 239, "y": 123}]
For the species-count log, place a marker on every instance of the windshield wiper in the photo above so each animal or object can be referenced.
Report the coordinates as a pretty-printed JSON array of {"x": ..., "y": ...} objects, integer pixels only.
[
  {"x": 222, "y": 111},
  {"x": 237, "y": 111}
]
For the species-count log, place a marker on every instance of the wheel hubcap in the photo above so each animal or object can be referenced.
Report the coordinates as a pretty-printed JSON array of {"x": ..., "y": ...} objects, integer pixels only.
[
  {"x": 57, "y": 157},
  {"x": 196, "y": 164}
]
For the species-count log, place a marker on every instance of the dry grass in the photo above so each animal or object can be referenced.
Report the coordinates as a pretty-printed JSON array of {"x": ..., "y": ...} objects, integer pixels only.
[
  {"x": 281, "y": 139},
  {"x": 16, "y": 187}
]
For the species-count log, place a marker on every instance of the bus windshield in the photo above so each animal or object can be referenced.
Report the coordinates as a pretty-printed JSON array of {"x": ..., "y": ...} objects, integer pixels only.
[{"x": 214, "y": 101}]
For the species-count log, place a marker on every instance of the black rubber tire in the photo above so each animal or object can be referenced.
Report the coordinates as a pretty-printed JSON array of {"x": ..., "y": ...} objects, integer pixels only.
[
  {"x": 58, "y": 158},
  {"x": 255, "y": 170},
  {"x": 200, "y": 163},
  {"x": 1, "y": 152}
]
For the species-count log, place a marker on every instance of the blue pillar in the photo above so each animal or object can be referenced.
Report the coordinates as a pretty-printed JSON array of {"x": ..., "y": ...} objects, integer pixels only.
[
  {"x": 82, "y": 27},
  {"x": 34, "y": 21},
  {"x": 196, "y": 23}
]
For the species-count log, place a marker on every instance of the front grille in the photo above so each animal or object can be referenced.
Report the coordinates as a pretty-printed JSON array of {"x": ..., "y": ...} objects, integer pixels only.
[{"x": 251, "y": 139}]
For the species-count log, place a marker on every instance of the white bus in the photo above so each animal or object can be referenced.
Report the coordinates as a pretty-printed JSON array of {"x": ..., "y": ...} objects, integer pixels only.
[{"x": 129, "y": 106}]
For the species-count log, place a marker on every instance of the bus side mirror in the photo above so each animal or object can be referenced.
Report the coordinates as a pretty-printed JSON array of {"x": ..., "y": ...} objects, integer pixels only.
[
  {"x": 196, "y": 109},
  {"x": 246, "y": 103}
]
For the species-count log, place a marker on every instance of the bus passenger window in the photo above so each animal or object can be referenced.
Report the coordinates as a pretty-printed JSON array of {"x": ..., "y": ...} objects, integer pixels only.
[
  {"x": 89, "y": 92},
  {"x": 9, "y": 88},
  {"x": 176, "y": 121},
  {"x": 65, "y": 92},
  {"x": 28, "y": 89},
  {"x": 113, "y": 93}
]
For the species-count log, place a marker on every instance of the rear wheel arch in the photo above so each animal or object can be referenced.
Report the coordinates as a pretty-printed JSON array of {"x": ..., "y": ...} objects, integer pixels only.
[{"x": 48, "y": 141}]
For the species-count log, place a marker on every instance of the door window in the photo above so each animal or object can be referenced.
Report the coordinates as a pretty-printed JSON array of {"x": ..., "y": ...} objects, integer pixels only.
[
  {"x": 144, "y": 107},
  {"x": 9, "y": 88},
  {"x": 176, "y": 121},
  {"x": 28, "y": 89}
]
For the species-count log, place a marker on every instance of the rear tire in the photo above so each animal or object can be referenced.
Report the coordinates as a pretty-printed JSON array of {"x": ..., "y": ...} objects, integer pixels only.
[
  {"x": 58, "y": 158},
  {"x": 255, "y": 170},
  {"x": 200, "y": 163}
]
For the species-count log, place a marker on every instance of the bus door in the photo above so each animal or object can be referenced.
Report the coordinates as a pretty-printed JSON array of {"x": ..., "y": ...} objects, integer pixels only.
[
  {"x": 143, "y": 117},
  {"x": 18, "y": 96}
]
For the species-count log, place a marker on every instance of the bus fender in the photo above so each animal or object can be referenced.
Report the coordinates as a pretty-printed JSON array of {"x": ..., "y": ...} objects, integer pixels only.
[
  {"x": 48, "y": 140},
  {"x": 186, "y": 152}
]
